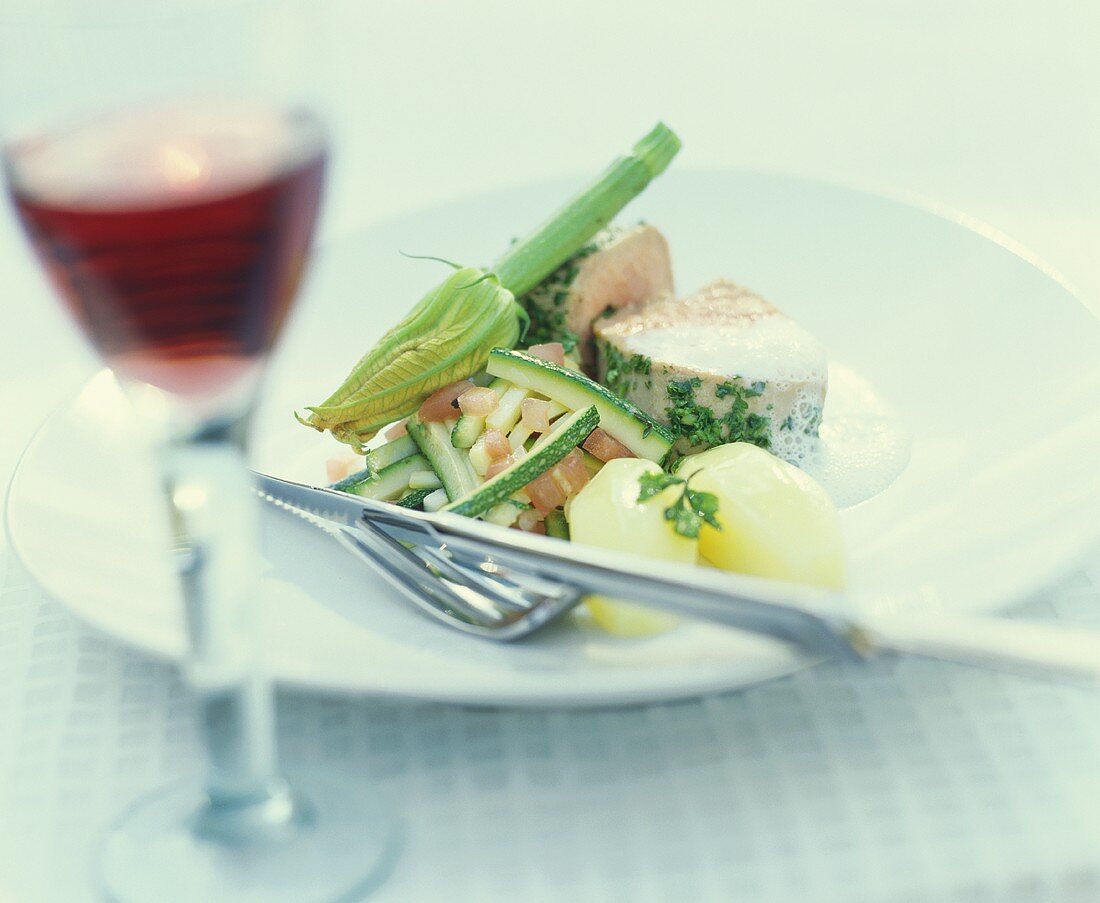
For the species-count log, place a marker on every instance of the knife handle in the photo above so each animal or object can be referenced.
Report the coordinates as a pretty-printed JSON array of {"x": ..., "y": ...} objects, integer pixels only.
[{"x": 1034, "y": 648}]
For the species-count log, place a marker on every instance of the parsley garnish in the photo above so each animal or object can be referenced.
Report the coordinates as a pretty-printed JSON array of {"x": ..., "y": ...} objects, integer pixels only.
[
  {"x": 690, "y": 511},
  {"x": 545, "y": 305},
  {"x": 754, "y": 390},
  {"x": 620, "y": 370},
  {"x": 701, "y": 426}
]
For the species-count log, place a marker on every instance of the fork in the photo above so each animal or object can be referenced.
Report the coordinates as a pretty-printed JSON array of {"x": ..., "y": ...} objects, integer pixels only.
[{"x": 504, "y": 585}]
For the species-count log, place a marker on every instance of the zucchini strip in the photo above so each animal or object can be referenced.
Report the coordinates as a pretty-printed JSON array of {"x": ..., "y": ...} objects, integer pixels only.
[
  {"x": 635, "y": 429},
  {"x": 386, "y": 484},
  {"x": 568, "y": 436},
  {"x": 451, "y": 465}
]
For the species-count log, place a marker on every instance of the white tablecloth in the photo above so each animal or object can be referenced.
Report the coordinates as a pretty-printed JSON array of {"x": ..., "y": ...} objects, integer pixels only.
[
  {"x": 909, "y": 781},
  {"x": 904, "y": 782}
]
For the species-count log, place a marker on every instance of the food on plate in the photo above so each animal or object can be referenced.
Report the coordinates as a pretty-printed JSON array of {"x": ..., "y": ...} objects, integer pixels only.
[
  {"x": 609, "y": 513},
  {"x": 448, "y": 335},
  {"x": 340, "y": 466},
  {"x": 444, "y": 339},
  {"x": 776, "y": 521},
  {"x": 634, "y": 421},
  {"x": 385, "y": 483},
  {"x": 552, "y": 456},
  {"x": 531, "y": 440},
  {"x": 619, "y": 267},
  {"x": 637, "y": 431},
  {"x": 720, "y": 366}
]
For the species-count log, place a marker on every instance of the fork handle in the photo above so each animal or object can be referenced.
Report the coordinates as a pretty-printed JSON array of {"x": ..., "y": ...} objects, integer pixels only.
[{"x": 1035, "y": 648}]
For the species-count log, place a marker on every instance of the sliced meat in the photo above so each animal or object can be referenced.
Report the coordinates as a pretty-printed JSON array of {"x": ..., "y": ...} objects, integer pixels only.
[
  {"x": 723, "y": 365},
  {"x": 619, "y": 268}
]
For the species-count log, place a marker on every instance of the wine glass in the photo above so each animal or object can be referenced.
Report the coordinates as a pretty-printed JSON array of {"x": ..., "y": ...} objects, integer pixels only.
[{"x": 176, "y": 229}]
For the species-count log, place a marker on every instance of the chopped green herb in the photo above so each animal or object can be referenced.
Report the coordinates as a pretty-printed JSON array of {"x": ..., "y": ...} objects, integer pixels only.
[
  {"x": 690, "y": 511},
  {"x": 546, "y": 302},
  {"x": 813, "y": 425},
  {"x": 548, "y": 323},
  {"x": 621, "y": 370},
  {"x": 545, "y": 305},
  {"x": 755, "y": 390},
  {"x": 700, "y": 425}
]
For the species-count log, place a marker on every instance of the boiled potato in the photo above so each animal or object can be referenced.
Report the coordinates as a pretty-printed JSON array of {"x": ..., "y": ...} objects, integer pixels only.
[
  {"x": 776, "y": 520},
  {"x": 607, "y": 514}
]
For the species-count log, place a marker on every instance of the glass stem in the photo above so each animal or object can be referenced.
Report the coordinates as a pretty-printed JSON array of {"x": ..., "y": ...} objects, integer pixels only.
[{"x": 214, "y": 521}]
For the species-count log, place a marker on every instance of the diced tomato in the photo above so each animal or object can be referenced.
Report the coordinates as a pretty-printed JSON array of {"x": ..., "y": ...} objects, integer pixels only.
[
  {"x": 554, "y": 352},
  {"x": 338, "y": 468},
  {"x": 601, "y": 444},
  {"x": 531, "y": 520},
  {"x": 536, "y": 415},
  {"x": 570, "y": 473},
  {"x": 396, "y": 431},
  {"x": 545, "y": 493},
  {"x": 442, "y": 404},
  {"x": 498, "y": 466},
  {"x": 566, "y": 478},
  {"x": 477, "y": 402},
  {"x": 497, "y": 446}
]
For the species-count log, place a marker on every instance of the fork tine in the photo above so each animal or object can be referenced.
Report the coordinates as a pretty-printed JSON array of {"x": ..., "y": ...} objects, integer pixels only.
[
  {"x": 485, "y": 592},
  {"x": 527, "y": 582},
  {"x": 474, "y": 579},
  {"x": 487, "y": 606},
  {"x": 398, "y": 552},
  {"x": 429, "y": 593}
]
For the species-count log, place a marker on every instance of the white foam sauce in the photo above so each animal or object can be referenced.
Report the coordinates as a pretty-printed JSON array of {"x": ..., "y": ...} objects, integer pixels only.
[
  {"x": 771, "y": 348},
  {"x": 862, "y": 447}
]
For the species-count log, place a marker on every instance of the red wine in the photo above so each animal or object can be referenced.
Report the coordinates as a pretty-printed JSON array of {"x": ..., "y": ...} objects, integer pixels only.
[{"x": 176, "y": 235}]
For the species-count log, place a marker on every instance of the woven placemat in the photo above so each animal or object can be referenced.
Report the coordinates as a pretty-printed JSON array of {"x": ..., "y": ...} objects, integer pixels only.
[{"x": 899, "y": 781}]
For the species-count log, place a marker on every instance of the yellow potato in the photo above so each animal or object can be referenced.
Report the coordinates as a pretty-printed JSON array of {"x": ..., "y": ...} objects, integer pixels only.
[
  {"x": 776, "y": 520},
  {"x": 607, "y": 514}
]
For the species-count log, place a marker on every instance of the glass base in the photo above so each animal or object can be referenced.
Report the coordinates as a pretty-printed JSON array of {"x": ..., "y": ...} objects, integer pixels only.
[{"x": 328, "y": 842}]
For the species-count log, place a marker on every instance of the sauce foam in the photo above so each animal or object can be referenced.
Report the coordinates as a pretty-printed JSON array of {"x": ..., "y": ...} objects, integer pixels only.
[
  {"x": 772, "y": 348},
  {"x": 862, "y": 447}
]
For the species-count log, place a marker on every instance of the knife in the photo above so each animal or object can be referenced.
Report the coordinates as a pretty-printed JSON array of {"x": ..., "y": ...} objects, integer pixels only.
[{"x": 822, "y": 622}]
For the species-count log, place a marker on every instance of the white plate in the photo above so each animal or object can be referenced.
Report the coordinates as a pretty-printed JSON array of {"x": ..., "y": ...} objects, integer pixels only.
[{"x": 992, "y": 366}]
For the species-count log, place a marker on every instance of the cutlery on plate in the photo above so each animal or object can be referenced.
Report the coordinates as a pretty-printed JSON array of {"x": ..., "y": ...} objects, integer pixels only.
[{"x": 506, "y": 584}]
